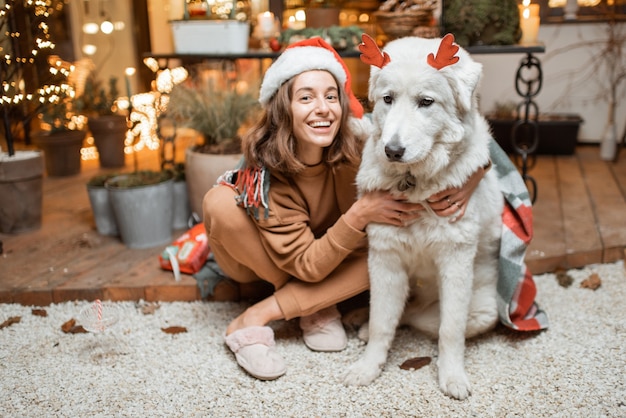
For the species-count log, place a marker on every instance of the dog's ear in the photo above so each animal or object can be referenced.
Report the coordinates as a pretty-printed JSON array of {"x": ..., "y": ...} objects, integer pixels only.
[
  {"x": 462, "y": 72},
  {"x": 464, "y": 78}
]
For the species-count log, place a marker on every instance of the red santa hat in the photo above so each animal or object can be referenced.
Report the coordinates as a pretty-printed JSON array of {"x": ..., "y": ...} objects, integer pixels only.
[{"x": 309, "y": 54}]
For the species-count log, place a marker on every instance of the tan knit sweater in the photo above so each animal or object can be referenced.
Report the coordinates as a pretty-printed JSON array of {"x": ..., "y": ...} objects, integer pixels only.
[{"x": 305, "y": 233}]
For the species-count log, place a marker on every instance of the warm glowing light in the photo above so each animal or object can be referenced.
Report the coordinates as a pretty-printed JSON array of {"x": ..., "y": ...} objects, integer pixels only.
[
  {"x": 151, "y": 63},
  {"x": 167, "y": 78},
  {"x": 89, "y": 49},
  {"x": 107, "y": 27},
  {"x": 89, "y": 153},
  {"x": 146, "y": 110},
  {"x": 91, "y": 28}
]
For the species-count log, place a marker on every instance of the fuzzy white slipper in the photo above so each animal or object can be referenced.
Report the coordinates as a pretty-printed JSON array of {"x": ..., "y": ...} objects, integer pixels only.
[
  {"x": 323, "y": 331},
  {"x": 254, "y": 350}
]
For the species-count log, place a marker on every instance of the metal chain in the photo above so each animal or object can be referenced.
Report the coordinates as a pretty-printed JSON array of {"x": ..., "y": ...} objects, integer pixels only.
[{"x": 525, "y": 131}]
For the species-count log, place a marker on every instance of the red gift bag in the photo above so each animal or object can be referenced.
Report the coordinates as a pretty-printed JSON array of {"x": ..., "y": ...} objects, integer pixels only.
[{"x": 188, "y": 253}]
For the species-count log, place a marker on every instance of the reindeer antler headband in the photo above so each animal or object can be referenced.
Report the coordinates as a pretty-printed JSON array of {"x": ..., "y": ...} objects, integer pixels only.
[{"x": 446, "y": 54}]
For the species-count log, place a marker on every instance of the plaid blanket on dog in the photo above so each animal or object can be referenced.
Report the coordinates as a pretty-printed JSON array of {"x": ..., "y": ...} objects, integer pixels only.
[{"x": 516, "y": 288}]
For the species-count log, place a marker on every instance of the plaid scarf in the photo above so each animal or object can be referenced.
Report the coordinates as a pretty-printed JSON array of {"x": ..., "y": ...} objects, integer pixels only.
[
  {"x": 253, "y": 186},
  {"x": 516, "y": 289}
]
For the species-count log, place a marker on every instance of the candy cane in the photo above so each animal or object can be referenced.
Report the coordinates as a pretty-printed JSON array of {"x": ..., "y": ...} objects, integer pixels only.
[{"x": 98, "y": 304}]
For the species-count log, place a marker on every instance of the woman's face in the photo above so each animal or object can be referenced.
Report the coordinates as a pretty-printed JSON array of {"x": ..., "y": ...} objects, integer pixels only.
[{"x": 316, "y": 113}]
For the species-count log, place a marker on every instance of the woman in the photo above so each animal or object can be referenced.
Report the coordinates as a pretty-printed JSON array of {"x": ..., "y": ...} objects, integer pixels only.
[{"x": 290, "y": 215}]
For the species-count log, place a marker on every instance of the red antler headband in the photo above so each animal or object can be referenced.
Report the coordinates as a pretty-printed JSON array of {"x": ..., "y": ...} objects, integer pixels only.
[
  {"x": 372, "y": 55},
  {"x": 445, "y": 53}
]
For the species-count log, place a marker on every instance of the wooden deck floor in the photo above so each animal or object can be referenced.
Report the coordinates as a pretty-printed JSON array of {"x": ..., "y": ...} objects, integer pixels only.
[{"x": 579, "y": 218}]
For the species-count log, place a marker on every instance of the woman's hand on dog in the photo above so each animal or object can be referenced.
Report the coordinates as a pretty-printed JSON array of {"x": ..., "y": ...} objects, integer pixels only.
[
  {"x": 453, "y": 201},
  {"x": 382, "y": 207}
]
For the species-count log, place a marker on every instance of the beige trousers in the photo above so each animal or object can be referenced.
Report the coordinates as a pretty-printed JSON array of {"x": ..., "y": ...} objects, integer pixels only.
[{"x": 238, "y": 250}]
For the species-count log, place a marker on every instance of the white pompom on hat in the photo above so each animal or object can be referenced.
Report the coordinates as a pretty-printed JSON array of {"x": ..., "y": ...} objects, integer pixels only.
[{"x": 307, "y": 55}]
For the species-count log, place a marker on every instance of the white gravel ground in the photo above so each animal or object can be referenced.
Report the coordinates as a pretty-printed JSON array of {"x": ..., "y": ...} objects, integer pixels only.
[{"x": 577, "y": 368}]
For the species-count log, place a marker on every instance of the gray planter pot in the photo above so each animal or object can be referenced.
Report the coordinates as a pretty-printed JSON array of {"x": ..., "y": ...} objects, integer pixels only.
[
  {"x": 182, "y": 208},
  {"x": 21, "y": 191},
  {"x": 144, "y": 213},
  {"x": 102, "y": 209}
]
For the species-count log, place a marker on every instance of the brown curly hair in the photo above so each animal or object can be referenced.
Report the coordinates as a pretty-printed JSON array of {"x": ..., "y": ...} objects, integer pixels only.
[{"x": 270, "y": 142}]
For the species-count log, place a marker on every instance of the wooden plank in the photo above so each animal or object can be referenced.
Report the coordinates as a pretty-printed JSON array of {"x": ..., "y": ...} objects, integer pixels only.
[
  {"x": 58, "y": 258},
  {"x": 33, "y": 297},
  {"x": 120, "y": 269},
  {"x": 547, "y": 248},
  {"x": 618, "y": 169},
  {"x": 583, "y": 244},
  {"x": 608, "y": 203}
]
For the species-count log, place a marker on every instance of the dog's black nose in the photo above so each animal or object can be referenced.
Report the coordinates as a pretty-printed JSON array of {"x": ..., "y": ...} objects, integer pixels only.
[{"x": 394, "y": 153}]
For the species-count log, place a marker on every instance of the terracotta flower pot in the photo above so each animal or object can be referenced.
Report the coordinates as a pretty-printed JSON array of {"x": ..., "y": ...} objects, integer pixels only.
[
  {"x": 322, "y": 17},
  {"x": 61, "y": 151},
  {"x": 109, "y": 134},
  {"x": 202, "y": 171}
]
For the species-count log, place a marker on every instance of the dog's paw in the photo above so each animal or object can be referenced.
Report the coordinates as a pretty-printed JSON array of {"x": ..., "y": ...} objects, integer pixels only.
[
  {"x": 361, "y": 374},
  {"x": 455, "y": 386}
]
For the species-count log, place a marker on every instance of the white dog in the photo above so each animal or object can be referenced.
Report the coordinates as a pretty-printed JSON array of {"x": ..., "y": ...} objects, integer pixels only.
[{"x": 428, "y": 135}]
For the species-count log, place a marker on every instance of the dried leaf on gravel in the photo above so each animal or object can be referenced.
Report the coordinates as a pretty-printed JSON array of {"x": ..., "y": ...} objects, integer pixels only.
[
  {"x": 564, "y": 279},
  {"x": 70, "y": 327},
  {"x": 12, "y": 320},
  {"x": 39, "y": 312},
  {"x": 149, "y": 308},
  {"x": 174, "y": 330},
  {"x": 592, "y": 282},
  {"x": 415, "y": 363}
]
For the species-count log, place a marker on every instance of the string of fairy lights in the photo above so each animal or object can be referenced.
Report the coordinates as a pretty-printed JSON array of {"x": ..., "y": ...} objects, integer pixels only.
[
  {"x": 143, "y": 109},
  {"x": 14, "y": 89}
]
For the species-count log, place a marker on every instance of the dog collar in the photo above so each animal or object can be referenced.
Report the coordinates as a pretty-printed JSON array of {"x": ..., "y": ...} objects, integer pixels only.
[{"x": 407, "y": 182}]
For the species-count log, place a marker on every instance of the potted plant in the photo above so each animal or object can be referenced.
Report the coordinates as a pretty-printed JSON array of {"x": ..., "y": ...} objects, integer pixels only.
[
  {"x": 62, "y": 135},
  {"x": 322, "y": 13},
  {"x": 28, "y": 85},
  {"x": 104, "y": 217},
  {"x": 557, "y": 133},
  {"x": 482, "y": 22},
  {"x": 107, "y": 126},
  {"x": 225, "y": 20},
  {"x": 606, "y": 68},
  {"x": 182, "y": 209},
  {"x": 143, "y": 206},
  {"x": 218, "y": 115},
  {"x": 21, "y": 188}
]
